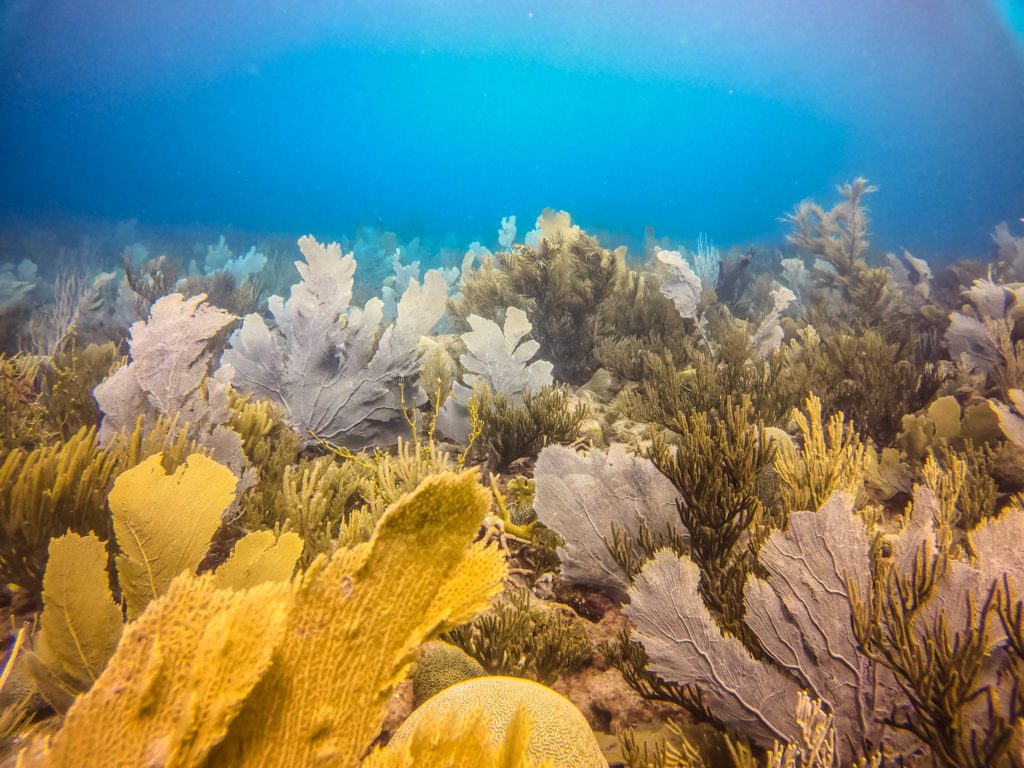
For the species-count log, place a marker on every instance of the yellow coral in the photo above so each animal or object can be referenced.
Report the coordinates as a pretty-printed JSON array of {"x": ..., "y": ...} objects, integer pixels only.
[
  {"x": 560, "y": 733},
  {"x": 253, "y": 420},
  {"x": 179, "y": 677},
  {"x": 151, "y": 509},
  {"x": 441, "y": 666},
  {"x": 80, "y": 624},
  {"x": 831, "y": 458},
  {"x": 259, "y": 557},
  {"x": 325, "y": 698},
  {"x": 462, "y": 740},
  {"x": 326, "y": 650}
]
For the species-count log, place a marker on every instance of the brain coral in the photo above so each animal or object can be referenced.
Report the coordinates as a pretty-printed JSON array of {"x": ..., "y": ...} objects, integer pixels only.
[
  {"x": 560, "y": 734},
  {"x": 441, "y": 666}
]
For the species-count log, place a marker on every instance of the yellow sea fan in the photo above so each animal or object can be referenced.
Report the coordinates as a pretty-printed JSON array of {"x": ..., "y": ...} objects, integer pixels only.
[
  {"x": 80, "y": 624},
  {"x": 164, "y": 522},
  {"x": 178, "y": 678},
  {"x": 355, "y": 624},
  {"x": 258, "y": 557}
]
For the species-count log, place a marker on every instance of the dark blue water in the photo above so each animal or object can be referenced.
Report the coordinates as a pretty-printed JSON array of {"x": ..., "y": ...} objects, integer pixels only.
[{"x": 438, "y": 118}]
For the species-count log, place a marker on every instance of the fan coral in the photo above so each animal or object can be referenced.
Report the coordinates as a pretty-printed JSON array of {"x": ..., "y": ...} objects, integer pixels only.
[
  {"x": 332, "y": 366},
  {"x": 585, "y": 499},
  {"x": 170, "y": 375},
  {"x": 497, "y": 359}
]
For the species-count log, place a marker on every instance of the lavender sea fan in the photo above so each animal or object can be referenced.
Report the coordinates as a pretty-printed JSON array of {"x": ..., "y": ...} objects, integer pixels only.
[{"x": 332, "y": 366}]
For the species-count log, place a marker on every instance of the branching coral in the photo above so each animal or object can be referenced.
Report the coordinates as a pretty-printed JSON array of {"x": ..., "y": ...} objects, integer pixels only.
[
  {"x": 521, "y": 639},
  {"x": 317, "y": 501},
  {"x": 24, "y": 419},
  {"x": 873, "y": 381},
  {"x": 47, "y": 491},
  {"x": 771, "y": 382},
  {"x": 513, "y": 431},
  {"x": 931, "y": 620},
  {"x": 153, "y": 278},
  {"x": 850, "y": 293},
  {"x": 67, "y": 383},
  {"x": 830, "y": 457},
  {"x": 716, "y": 464}
]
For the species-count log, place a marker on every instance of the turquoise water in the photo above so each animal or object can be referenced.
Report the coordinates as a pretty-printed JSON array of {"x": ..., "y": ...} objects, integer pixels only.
[{"x": 437, "y": 118}]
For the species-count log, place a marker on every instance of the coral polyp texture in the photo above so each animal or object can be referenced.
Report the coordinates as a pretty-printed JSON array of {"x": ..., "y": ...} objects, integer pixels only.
[
  {"x": 560, "y": 734},
  {"x": 552, "y": 504}
]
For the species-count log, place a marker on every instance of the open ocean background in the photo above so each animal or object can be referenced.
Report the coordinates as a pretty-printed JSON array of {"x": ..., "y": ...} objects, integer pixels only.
[{"x": 436, "y": 119}]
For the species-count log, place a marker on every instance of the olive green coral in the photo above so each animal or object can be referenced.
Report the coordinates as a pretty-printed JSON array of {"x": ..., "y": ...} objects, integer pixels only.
[
  {"x": 514, "y": 430},
  {"x": 441, "y": 666},
  {"x": 522, "y": 638},
  {"x": 721, "y": 510}
]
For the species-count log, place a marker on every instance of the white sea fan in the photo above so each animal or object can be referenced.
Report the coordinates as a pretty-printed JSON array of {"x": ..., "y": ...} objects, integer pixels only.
[
  {"x": 507, "y": 233},
  {"x": 683, "y": 285},
  {"x": 582, "y": 497},
  {"x": 769, "y": 333},
  {"x": 498, "y": 358},
  {"x": 169, "y": 374},
  {"x": 333, "y": 367}
]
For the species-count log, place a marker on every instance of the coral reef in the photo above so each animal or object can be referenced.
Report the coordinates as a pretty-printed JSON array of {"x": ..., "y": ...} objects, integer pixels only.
[{"x": 756, "y": 507}]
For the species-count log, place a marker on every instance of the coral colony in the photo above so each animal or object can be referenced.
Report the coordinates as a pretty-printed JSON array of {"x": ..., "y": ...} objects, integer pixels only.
[{"x": 549, "y": 505}]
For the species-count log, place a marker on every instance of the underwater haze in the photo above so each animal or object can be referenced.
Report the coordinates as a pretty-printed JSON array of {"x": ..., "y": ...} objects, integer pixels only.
[
  {"x": 422, "y": 384},
  {"x": 437, "y": 118}
]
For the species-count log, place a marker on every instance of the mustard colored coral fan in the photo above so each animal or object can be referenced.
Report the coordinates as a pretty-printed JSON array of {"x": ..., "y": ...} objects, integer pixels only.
[{"x": 280, "y": 675}]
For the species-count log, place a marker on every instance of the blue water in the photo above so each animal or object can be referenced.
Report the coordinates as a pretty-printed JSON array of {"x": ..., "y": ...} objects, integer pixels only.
[{"x": 437, "y": 118}]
